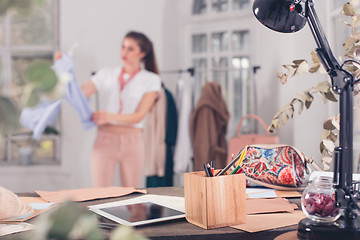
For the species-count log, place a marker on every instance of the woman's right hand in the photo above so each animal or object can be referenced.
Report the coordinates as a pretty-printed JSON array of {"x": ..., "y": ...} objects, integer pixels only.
[{"x": 102, "y": 117}]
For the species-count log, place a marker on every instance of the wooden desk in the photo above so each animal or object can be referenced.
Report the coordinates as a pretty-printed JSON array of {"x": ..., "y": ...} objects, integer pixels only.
[{"x": 181, "y": 229}]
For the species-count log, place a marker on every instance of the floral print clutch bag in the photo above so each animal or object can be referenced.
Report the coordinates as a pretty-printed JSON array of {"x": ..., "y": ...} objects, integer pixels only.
[{"x": 276, "y": 166}]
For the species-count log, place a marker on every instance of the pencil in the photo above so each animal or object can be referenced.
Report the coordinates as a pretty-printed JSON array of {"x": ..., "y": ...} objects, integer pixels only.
[
  {"x": 235, "y": 170},
  {"x": 229, "y": 165}
]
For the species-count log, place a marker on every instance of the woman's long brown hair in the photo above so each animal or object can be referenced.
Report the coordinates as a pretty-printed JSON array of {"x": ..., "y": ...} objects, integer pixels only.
[{"x": 146, "y": 47}]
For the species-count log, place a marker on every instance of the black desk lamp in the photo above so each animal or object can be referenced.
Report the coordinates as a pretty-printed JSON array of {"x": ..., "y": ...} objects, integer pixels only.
[{"x": 289, "y": 16}]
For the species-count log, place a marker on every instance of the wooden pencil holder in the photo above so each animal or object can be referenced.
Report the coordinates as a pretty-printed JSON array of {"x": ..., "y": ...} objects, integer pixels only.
[{"x": 213, "y": 202}]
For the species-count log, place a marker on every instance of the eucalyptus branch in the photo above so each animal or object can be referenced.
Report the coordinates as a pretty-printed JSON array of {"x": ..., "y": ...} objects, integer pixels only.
[{"x": 305, "y": 98}]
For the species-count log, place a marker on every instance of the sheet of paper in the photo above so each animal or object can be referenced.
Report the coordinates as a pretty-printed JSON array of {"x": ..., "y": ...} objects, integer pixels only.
[
  {"x": 261, "y": 222},
  {"x": 84, "y": 194},
  {"x": 260, "y": 193},
  {"x": 6, "y": 229},
  {"x": 171, "y": 201},
  {"x": 268, "y": 205},
  {"x": 269, "y": 193},
  {"x": 41, "y": 206}
]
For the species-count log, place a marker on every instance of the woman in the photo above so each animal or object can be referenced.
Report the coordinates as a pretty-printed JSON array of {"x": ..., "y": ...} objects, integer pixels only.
[{"x": 128, "y": 93}]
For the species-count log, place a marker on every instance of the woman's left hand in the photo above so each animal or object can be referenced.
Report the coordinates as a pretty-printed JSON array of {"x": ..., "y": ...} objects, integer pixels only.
[{"x": 101, "y": 117}]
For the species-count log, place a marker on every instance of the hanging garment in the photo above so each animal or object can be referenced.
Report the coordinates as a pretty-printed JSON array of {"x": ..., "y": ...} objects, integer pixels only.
[
  {"x": 170, "y": 141},
  {"x": 154, "y": 138},
  {"x": 183, "y": 149},
  {"x": 208, "y": 127},
  {"x": 45, "y": 113},
  {"x": 39, "y": 117}
]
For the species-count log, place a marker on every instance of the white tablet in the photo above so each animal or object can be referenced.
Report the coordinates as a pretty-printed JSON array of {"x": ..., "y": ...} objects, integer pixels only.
[{"x": 141, "y": 210}]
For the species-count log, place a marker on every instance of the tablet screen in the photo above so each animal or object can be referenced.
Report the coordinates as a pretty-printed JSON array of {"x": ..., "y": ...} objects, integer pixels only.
[{"x": 141, "y": 211}]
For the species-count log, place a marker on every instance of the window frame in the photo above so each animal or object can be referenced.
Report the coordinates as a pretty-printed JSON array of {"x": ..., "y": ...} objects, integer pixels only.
[
  {"x": 213, "y": 22},
  {"x": 8, "y": 53}
]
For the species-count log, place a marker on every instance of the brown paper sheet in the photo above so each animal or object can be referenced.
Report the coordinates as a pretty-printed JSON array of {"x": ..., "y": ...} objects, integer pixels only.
[
  {"x": 84, "y": 194},
  {"x": 269, "y": 205},
  {"x": 262, "y": 222},
  {"x": 287, "y": 194}
]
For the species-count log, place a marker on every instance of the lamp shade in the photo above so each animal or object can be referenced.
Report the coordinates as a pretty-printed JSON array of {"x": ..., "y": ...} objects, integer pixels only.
[{"x": 285, "y": 16}]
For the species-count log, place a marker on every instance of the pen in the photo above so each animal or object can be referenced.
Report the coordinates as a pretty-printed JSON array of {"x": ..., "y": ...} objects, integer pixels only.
[
  {"x": 212, "y": 167},
  {"x": 229, "y": 165},
  {"x": 206, "y": 170},
  {"x": 211, "y": 173}
]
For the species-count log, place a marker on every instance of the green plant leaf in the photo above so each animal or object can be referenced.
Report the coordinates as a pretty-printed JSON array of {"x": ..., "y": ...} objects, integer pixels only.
[
  {"x": 291, "y": 110},
  {"x": 328, "y": 124},
  {"x": 323, "y": 97},
  {"x": 332, "y": 136},
  {"x": 283, "y": 78},
  {"x": 308, "y": 104},
  {"x": 5, "y": 5},
  {"x": 322, "y": 147},
  {"x": 41, "y": 76},
  {"x": 350, "y": 42},
  {"x": 315, "y": 57},
  {"x": 325, "y": 134},
  {"x": 33, "y": 98},
  {"x": 327, "y": 159},
  {"x": 315, "y": 67},
  {"x": 304, "y": 96},
  {"x": 302, "y": 68},
  {"x": 355, "y": 21},
  {"x": 284, "y": 118},
  {"x": 299, "y": 61},
  {"x": 348, "y": 10},
  {"x": 331, "y": 96},
  {"x": 301, "y": 107},
  {"x": 323, "y": 86},
  {"x": 9, "y": 115},
  {"x": 329, "y": 145}
]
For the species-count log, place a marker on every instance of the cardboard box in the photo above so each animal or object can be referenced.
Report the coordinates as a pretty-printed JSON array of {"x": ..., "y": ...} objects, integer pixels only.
[{"x": 213, "y": 202}]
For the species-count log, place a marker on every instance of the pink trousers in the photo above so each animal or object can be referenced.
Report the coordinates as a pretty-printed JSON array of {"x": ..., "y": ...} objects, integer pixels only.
[{"x": 110, "y": 149}]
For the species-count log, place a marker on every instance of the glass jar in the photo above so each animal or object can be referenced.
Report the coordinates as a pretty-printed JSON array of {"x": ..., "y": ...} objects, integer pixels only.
[{"x": 318, "y": 200}]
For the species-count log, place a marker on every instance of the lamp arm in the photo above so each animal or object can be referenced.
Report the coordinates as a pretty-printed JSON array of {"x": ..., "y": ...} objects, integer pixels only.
[{"x": 327, "y": 58}]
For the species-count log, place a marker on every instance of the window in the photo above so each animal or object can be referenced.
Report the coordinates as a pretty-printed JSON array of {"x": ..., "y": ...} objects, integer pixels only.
[
  {"x": 25, "y": 37},
  {"x": 199, "y": 7},
  {"x": 219, "y": 5},
  {"x": 241, "y": 4},
  {"x": 221, "y": 53}
]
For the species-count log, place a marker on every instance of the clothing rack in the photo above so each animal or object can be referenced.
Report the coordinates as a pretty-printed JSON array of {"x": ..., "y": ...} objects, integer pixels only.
[{"x": 190, "y": 70}]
